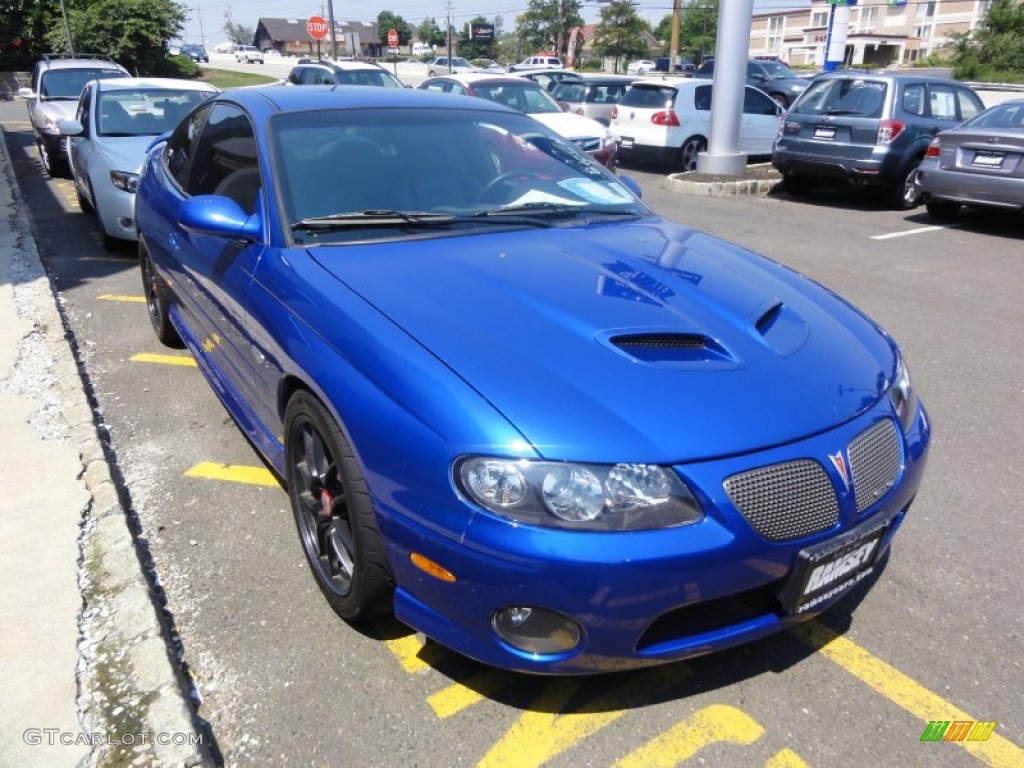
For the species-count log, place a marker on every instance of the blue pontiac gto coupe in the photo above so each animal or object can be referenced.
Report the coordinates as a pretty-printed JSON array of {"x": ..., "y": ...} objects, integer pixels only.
[{"x": 511, "y": 405}]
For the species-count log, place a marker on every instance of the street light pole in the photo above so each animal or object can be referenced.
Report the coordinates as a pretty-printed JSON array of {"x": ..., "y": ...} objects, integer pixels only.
[{"x": 67, "y": 27}]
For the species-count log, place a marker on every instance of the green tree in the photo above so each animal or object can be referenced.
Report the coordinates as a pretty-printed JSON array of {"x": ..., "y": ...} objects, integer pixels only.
[
  {"x": 546, "y": 24},
  {"x": 430, "y": 32},
  {"x": 620, "y": 33},
  {"x": 23, "y": 33},
  {"x": 995, "y": 50},
  {"x": 698, "y": 29},
  {"x": 238, "y": 33},
  {"x": 474, "y": 49},
  {"x": 132, "y": 32},
  {"x": 386, "y": 20}
]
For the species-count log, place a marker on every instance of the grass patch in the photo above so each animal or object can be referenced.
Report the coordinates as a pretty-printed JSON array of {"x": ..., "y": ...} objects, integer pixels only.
[{"x": 224, "y": 78}]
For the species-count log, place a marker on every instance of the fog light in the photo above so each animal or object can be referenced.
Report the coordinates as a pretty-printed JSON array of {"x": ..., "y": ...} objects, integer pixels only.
[{"x": 536, "y": 630}]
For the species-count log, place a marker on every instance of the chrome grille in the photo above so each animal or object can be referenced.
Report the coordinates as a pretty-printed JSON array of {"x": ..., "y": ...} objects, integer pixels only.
[
  {"x": 785, "y": 501},
  {"x": 875, "y": 462}
]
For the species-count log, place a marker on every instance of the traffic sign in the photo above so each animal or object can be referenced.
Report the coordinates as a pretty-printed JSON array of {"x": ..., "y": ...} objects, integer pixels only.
[
  {"x": 317, "y": 27},
  {"x": 394, "y": 50},
  {"x": 393, "y": 37}
]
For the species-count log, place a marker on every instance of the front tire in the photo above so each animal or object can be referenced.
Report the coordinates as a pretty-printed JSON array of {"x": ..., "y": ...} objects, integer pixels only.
[
  {"x": 333, "y": 514},
  {"x": 692, "y": 147}
]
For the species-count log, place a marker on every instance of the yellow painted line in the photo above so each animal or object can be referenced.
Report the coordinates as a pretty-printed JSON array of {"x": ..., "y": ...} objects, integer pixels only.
[
  {"x": 906, "y": 693},
  {"x": 545, "y": 729},
  {"x": 785, "y": 758},
  {"x": 145, "y": 357},
  {"x": 710, "y": 725},
  {"x": 407, "y": 650},
  {"x": 233, "y": 473},
  {"x": 116, "y": 297},
  {"x": 459, "y": 696}
]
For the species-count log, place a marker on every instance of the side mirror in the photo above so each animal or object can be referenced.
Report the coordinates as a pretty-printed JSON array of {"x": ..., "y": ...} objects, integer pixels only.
[
  {"x": 69, "y": 127},
  {"x": 26, "y": 93},
  {"x": 220, "y": 216}
]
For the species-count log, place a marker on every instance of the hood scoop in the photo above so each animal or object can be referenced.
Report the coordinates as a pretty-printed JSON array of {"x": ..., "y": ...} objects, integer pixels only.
[
  {"x": 668, "y": 348},
  {"x": 782, "y": 329}
]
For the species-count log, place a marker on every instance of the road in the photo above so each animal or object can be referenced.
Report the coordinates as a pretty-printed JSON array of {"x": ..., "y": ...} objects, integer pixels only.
[{"x": 284, "y": 682}]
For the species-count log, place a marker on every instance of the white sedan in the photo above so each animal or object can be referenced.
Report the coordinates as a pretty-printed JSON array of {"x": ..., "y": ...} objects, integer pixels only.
[
  {"x": 640, "y": 67},
  {"x": 114, "y": 124}
]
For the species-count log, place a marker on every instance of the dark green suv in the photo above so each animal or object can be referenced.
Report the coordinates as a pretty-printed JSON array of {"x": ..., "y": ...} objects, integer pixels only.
[{"x": 867, "y": 129}]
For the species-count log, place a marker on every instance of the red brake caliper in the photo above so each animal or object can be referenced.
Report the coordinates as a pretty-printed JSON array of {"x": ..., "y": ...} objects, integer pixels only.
[{"x": 327, "y": 502}]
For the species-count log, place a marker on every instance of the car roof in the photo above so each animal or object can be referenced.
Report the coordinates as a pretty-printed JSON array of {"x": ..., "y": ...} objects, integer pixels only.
[
  {"x": 482, "y": 77},
  {"x": 596, "y": 78},
  {"x": 339, "y": 64},
  {"x": 672, "y": 82},
  {"x": 897, "y": 76},
  {"x": 132, "y": 83},
  {"x": 278, "y": 98},
  {"x": 51, "y": 61}
]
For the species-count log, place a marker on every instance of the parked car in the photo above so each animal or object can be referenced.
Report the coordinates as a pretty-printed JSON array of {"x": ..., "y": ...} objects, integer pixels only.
[
  {"x": 195, "y": 52},
  {"x": 114, "y": 124},
  {"x": 979, "y": 164},
  {"x": 250, "y": 54},
  {"x": 640, "y": 67},
  {"x": 593, "y": 96},
  {"x": 57, "y": 82},
  {"x": 325, "y": 72},
  {"x": 771, "y": 76},
  {"x": 461, "y": 379},
  {"x": 668, "y": 121},
  {"x": 530, "y": 98},
  {"x": 549, "y": 78},
  {"x": 440, "y": 66},
  {"x": 684, "y": 66},
  {"x": 541, "y": 61},
  {"x": 868, "y": 129}
]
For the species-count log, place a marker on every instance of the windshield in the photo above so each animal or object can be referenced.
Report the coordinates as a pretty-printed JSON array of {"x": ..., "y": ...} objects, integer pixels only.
[
  {"x": 369, "y": 76},
  {"x": 68, "y": 83},
  {"x": 776, "y": 70},
  {"x": 525, "y": 97},
  {"x": 350, "y": 174},
  {"x": 144, "y": 111},
  {"x": 856, "y": 97}
]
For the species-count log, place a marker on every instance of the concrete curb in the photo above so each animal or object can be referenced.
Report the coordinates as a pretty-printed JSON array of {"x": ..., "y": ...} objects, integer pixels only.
[
  {"x": 131, "y": 701},
  {"x": 678, "y": 182}
]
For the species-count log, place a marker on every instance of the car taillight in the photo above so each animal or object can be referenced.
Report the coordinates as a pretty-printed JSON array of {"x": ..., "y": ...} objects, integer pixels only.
[
  {"x": 889, "y": 130},
  {"x": 615, "y": 113},
  {"x": 933, "y": 149},
  {"x": 564, "y": 106},
  {"x": 665, "y": 117}
]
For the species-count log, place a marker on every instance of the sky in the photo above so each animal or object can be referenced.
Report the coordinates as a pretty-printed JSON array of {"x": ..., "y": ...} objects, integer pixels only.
[{"x": 208, "y": 15}]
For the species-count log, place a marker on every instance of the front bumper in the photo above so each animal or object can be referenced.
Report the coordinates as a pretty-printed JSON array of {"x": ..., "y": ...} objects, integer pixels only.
[{"x": 645, "y": 597}]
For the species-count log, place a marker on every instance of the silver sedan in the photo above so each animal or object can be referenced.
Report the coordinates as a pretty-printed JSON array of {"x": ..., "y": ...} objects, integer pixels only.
[{"x": 978, "y": 163}]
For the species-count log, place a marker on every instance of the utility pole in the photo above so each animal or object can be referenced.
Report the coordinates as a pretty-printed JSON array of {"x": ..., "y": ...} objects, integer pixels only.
[
  {"x": 334, "y": 36},
  {"x": 67, "y": 28},
  {"x": 673, "y": 56},
  {"x": 448, "y": 30},
  {"x": 202, "y": 36}
]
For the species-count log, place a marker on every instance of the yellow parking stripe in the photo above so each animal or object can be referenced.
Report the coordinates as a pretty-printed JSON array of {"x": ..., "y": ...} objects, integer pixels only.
[
  {"x": 115, "y": 297},
  {"x": 145, "y": 357},
  {"x": 233, "y": 473},
  {"x": 455, "y": 698},
  {"x": 545, "y": 730},
  {"x": 785, "y": 758},
  {"x": 905, "y": 692},
  {"x": 710, "y": 725},
  {"x": 407, "y": 650}
]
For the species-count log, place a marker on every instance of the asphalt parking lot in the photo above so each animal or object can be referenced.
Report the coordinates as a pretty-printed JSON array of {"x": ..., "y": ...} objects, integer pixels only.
[{"x": 282, "y": 681}]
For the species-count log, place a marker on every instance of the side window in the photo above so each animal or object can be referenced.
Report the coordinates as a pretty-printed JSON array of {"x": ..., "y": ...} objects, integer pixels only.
[
  {"x": 434, "y": 87},
  {"x": 225, "y": 159},
  {"x": 702, "y": 98},
  {"x": 757, "y": 103},
  {"x": 458, "y": 89},
  {"x": 326, "y": 78},
  {"x": 82, "y": 114},
  {"x": 969, "y": 103},
  {"x": 310, "y": 76},
  {"x": 913, "y": 99},
  {"x": 295, "y": 76},
  {"x": 942, "y": 102},
  {"x": 181, "y": 147}
]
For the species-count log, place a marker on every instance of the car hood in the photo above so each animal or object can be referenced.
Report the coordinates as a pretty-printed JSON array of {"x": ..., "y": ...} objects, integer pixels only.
[
  {"x": 59, "y": 109},
  {"x": 124, "y": 153},
  {"x": 643, "y": 341},
  {"x": 569, "y": 125}
]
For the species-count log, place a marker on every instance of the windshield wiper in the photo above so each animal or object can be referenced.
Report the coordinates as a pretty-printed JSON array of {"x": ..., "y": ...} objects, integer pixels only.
[
  {"x": 831, "y": 111},
  {"x": 373, "y": 218},
  {"x": 547, "y": 209}
]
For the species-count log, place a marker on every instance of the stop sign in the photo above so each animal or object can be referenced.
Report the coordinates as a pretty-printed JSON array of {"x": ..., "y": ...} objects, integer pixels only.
[
  {"x": 392, "y": 37},
  {"x": 317, "y": 27}
]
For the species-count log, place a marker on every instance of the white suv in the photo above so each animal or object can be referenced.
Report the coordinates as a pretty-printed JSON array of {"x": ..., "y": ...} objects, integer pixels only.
[
  {"x": 249, "y": 54},
  {"x": 668, "y": 120},
  {"x": 537, "y": 62}
]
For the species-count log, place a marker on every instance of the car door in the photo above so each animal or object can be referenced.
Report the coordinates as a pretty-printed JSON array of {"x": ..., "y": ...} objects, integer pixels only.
[
  {"x": 79, "y": 147},
  {"x": 216, "y": 271},
  {"x": 760, "y": 125}
]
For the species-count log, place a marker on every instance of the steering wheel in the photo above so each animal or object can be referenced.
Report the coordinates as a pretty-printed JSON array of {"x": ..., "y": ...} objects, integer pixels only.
[{"x": 504, "y": 179}]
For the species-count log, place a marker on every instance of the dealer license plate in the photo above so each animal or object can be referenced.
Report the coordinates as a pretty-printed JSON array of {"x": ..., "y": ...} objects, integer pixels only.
[
  {"x": 988, "y": 159},
  {"x": 825, "y": 133},
  {"x": 626, "y": 142},
  {"x": 827, "y": 570}
]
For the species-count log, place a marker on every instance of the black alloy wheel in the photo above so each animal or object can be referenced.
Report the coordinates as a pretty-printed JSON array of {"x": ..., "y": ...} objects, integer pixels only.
[
  {"x": 333, "y": 514},
  {"x": 692, "y": 147},
  {"x": 904, "y": 196}
]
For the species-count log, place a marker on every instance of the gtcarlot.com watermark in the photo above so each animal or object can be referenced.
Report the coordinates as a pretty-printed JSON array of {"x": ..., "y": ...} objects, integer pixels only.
[{"x": 55, "y": 736}]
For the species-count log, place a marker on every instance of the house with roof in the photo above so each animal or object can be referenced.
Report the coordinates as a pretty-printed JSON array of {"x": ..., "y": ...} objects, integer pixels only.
[
  {"x": 581, "y": 47},
  {"x": 289, "y": 37}
]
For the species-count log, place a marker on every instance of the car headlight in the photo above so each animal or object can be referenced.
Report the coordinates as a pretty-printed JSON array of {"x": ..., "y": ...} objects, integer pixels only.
[
  {"x": 129, "y": 182},
  {"x": 593, "y": 497},
  {"x": 903, "y": 396}
]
